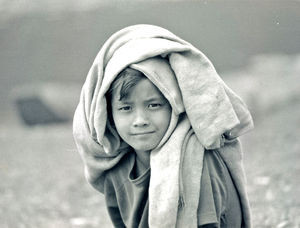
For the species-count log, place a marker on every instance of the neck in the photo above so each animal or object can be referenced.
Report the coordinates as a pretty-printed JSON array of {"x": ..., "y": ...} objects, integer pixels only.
[{"x": 142, "y": 161}]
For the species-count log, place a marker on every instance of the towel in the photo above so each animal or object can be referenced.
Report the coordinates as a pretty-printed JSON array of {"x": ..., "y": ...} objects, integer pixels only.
[
  {"x": 174, "y": 155},
  {"x": 204, "y": 112}
]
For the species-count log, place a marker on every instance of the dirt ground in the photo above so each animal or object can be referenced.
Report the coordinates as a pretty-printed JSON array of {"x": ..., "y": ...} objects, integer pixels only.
[
  {"x": 271, "y": 160},
  {"x": 41, "y": 173}
]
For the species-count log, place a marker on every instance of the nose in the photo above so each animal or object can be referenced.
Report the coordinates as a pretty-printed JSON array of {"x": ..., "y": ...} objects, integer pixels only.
[{"x": 140, "y": 119}]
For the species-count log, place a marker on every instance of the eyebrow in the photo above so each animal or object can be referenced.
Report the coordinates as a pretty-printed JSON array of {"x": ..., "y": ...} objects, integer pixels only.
[
  {"x": 151, "y": 99},
  {"x": 123, "y": 101}
]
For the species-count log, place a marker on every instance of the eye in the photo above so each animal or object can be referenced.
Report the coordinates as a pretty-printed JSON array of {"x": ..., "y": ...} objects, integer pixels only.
[
  {"x": 154, "y": 106},
  {"x": 125, "y": 108}
]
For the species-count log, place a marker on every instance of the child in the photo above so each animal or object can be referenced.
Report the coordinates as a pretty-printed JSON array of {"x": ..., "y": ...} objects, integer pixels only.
[{"x": 157, "y": 130}]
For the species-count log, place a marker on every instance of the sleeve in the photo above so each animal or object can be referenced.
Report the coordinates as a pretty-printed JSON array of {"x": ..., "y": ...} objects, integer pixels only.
[
  {"x": 112, "y": 203},
  {"x": 220, "y": 198},
  {"x": 225, "y": 198},
  {"x": 213, "y": 193}
]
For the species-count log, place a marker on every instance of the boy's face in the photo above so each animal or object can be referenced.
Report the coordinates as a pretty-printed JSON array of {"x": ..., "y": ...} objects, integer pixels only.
[{"x": 141, "y": 118}]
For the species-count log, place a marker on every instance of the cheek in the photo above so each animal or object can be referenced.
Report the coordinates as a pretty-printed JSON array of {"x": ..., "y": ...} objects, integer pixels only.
[
  {"x": 163, "y": 120},
  {"x": 121, "y": 123}
]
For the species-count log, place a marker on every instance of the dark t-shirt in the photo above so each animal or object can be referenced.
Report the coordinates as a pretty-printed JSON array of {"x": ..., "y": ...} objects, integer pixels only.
[{"x": 127, "y": 195}]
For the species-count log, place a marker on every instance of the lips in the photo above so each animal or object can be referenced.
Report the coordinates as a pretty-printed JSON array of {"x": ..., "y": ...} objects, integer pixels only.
[{"x": 142, "y": 133}]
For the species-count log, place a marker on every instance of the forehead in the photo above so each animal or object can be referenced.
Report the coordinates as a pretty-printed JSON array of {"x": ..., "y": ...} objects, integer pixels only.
[{"x": 143, "y": 89}]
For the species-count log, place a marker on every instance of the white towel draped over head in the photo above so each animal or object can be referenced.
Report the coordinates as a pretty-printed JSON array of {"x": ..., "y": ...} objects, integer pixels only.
[{"x": 200, "y": 102}]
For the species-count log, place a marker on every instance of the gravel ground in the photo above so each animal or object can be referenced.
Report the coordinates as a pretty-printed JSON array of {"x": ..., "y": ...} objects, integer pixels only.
[
  {"x": 42, "y": 183},
  {"x": 271, "y": 160}
]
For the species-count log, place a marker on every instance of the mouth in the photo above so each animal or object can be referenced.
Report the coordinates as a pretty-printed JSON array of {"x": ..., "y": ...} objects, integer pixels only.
[{"x": 142, "y": 133}]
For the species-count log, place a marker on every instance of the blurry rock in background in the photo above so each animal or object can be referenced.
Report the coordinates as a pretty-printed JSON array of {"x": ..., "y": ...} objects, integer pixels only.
[
  {"x": 34, "y": 111},
  {"x": 47, "y": 103}
]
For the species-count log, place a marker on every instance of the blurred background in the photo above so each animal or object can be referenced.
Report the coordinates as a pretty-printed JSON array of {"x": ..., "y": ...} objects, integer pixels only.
[{"x": 46, "y": 50}]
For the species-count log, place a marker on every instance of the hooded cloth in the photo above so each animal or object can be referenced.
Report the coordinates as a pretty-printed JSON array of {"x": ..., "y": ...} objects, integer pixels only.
[{"x": 206, "y": 115}]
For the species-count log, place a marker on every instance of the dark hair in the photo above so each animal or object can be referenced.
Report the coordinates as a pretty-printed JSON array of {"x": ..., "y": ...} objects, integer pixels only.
[{"x": 127, "y": 79}]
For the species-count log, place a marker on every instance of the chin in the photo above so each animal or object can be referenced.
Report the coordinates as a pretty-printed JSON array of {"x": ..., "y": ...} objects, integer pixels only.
[{"x": 144, "y": 147}]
